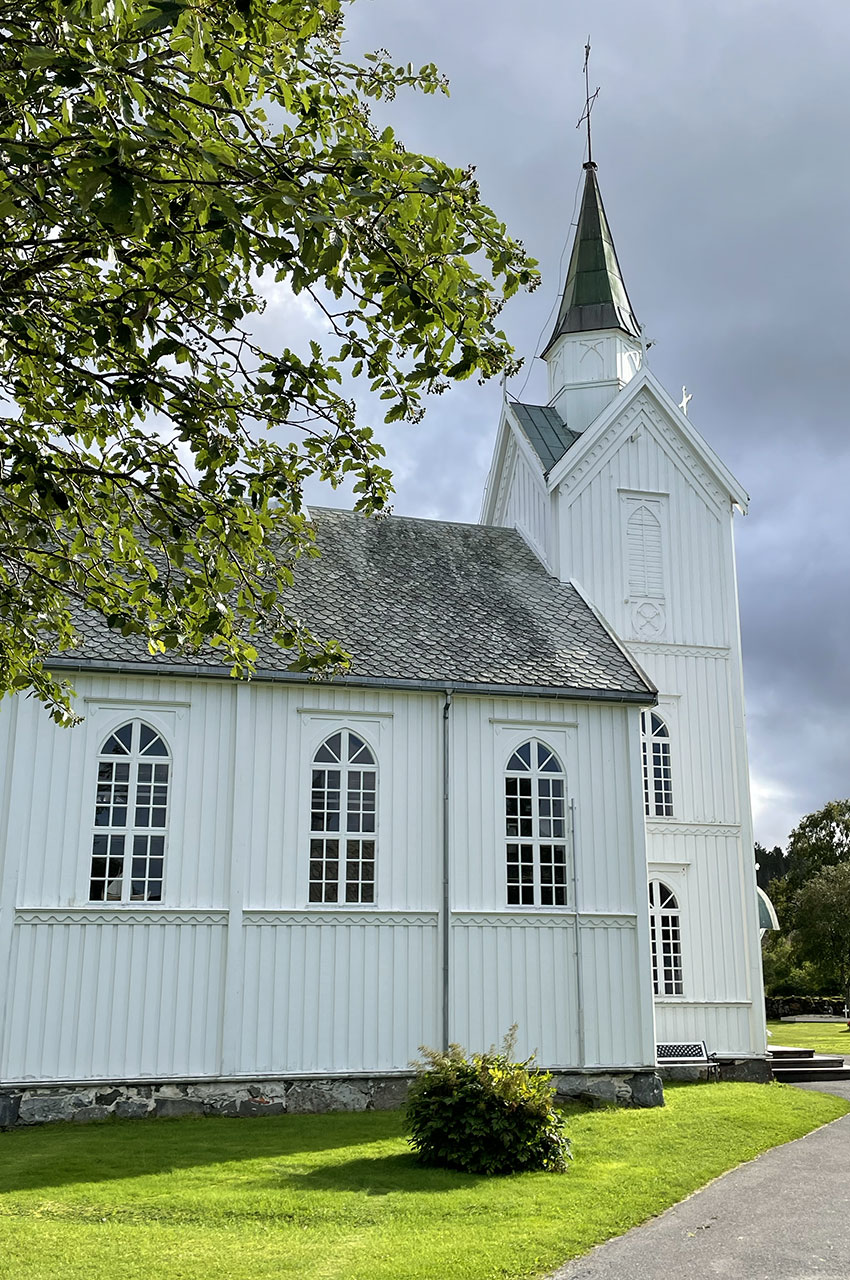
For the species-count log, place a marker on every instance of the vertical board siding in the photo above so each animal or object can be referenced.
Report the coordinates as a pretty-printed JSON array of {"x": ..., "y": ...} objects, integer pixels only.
[
  {"x": 113, "y": 1001},
  {"x": 526, "y": 504},
  {"x": 148, "y": 996},
  {"x": 404, "y": 730},
  {"x": 593, "y": 534},
  {"x": 695, "y": 662},
  {"x": 610, "y": 963},
  {"x": 695, "y": 701},
  {"x": 516, "y": 974},
  {"x": 337, "y": 997},
  {"x": 593, "y": 743},
  {"x": 725, "y": 1028}
]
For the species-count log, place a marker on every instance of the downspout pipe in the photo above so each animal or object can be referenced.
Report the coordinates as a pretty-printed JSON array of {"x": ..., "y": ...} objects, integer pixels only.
[{"x": 446, "y": 899}]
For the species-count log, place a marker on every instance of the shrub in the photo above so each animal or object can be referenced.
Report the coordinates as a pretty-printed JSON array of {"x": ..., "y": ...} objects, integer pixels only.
[{"x": 485, "y": 1113}]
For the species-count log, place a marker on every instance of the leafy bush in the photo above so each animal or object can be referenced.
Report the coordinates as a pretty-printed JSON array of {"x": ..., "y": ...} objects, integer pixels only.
[{"x": 485, "y": 1113}]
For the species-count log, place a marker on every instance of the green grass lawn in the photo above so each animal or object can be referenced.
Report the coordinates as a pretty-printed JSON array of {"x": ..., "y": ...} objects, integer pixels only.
[
  {"x": 339, "y": 1197},
  {"x": 823, "y": 1037}
]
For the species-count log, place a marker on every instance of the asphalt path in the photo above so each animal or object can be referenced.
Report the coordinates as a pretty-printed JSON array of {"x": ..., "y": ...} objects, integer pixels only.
[{"x": 783, "y": 1216}]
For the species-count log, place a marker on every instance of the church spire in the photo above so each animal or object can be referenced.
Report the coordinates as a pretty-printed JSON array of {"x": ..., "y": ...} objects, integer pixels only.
[{"x": 595, "y": 295}]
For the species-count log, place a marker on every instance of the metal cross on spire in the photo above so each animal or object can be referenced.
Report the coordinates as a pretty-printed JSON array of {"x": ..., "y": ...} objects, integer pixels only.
[{"x": 590, "y": 98}]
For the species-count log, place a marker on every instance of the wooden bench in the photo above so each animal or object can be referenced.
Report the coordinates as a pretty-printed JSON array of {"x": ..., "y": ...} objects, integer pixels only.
[{"x": 687, "y": 1053}]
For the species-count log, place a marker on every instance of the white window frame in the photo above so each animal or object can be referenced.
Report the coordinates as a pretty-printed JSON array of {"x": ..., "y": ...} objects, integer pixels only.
[
  {"x": 653, "y": 764},
  {"x": 343, "y": 835},
  {"x": 130, "y": 829},
  {"x": 660, "y": 921},
  {"x": 536, "y": 839}
]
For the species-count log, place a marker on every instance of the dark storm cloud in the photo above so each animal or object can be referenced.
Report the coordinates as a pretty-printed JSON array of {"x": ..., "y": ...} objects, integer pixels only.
[{"x": 721, "y": 137}]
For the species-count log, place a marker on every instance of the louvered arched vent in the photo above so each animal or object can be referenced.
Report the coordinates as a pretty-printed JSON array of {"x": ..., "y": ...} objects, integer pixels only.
[{"x": 643, "y": 553}]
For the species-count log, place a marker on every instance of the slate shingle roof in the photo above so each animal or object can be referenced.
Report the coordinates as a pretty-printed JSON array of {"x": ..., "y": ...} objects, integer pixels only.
[
  {"x": 548, "y": 436},
  {"x": 426, "y": 603}
]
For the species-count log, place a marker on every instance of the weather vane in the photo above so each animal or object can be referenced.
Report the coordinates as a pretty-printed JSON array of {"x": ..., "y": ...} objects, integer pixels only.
[{"x": 588, "y": 104}]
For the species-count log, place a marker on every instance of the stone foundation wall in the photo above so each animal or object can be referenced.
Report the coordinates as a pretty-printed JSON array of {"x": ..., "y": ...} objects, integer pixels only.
[
  {"x": 605, "y": 1088},
  {"x": 44, "y": 1104},
  {"x": 82, "y": 1104},
  {"x": 746, "y": 1070}
]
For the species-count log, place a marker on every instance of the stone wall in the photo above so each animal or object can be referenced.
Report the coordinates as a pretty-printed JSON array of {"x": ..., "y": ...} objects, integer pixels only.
[
  {"x": 742, "y": 1070},
  {"x": 603, "y": 1088},
  {"x": 793, "y": 1006},
  {"x": 82, "y": 1104}
]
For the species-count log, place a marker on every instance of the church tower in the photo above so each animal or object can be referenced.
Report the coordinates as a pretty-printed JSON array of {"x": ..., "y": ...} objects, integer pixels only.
[
  {"x": 595, "y": 347},
  {"x": 617, "y": 492}
]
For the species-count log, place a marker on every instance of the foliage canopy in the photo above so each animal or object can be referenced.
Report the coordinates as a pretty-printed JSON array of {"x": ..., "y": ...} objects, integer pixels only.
[
  {"x": 158, "y": 158},
  {"x": 819, "y": 840},
  {"x": 822, "y": 922},
  {"x": 810, "y": 954},
  {"x": 485, "y": 1113}
]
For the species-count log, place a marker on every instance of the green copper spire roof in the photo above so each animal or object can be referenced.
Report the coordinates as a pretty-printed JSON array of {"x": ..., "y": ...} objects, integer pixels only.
[{"x": 594, "y": 296}]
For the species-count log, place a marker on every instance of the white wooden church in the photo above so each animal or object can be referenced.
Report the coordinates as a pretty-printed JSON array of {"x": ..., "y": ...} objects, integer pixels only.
[{"x": 528, "y": 802}]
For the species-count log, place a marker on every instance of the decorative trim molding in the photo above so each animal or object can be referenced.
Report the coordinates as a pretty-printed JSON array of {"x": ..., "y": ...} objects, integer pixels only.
[
  {"x": 691, "y": 465},
  {"x": 661, "y": 828},
  {"x": 607, "y": 922},
  {"x": 508, "y": 463},
  {"x": 665, "y": 649},
  {"x": 343, "y": 713},
  {"x": 335, "y": 916},
  {"x": 570, "y": 482},
  {"x": 501, "y": 723},
  {"x": 513, "y": 919},
  {"x": 536, "y": 919},
  {"x": 679, "y": 1001},
  {"x": 121, "y": 915},
  {"x": 132, "y": 704}
]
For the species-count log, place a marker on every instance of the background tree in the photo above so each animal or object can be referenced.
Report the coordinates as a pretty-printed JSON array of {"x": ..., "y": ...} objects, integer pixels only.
[
  {"x": 805, "y": 885},
  {"x": 771, "y": 864},
  {"x": 822, "y": 924},
  {"x": 157, "y": 158},
  {"x": 819, "y": 840}
]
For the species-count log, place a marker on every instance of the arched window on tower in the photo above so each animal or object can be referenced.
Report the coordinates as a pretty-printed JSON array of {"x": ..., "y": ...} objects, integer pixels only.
[
  {"x": 343, "y": 815},
  {"x": 130, "y": 816},
  {"x": 657, "y": 774},
  {"x": 666, "y": 938},
  {"x": 535, "y": 827}
]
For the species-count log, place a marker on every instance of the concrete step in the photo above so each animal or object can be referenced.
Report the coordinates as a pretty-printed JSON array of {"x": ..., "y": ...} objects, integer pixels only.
[
  {"x": 820, "y": 1062},
  {"x": 777, "y": 1051},
  {"x": 820, "y": 1066},
  {"x": 791, "y": 1075}
]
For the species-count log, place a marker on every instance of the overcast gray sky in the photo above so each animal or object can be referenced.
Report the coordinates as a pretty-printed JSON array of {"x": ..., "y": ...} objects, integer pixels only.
[{"x": 721, "y": 135}]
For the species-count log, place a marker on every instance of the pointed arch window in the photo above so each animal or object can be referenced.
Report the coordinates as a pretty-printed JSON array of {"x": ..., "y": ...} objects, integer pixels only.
[
  {"x": 657, "y": 771},
  {"x": 643, "y": 548},
  {"x": 130, "y": 816},
  {"x": 535, "y": 827},
  {"x": 343, "y": 818},
  {"x": 666, "y": 938}
]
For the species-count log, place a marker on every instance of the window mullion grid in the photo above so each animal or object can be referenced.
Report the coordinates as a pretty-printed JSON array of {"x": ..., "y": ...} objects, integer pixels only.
[
  {"x": 130, "y": 834},
  {"x": 535, "y": 830}
]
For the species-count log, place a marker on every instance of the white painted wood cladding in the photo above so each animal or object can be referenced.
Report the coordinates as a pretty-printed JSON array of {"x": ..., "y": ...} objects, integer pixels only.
[
  {"x": 640, "y": 517},
  {"x": 237, "y": 972}
]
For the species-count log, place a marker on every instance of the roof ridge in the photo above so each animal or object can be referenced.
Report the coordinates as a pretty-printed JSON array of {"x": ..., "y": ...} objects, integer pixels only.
[{"x": 433, "y": 520}]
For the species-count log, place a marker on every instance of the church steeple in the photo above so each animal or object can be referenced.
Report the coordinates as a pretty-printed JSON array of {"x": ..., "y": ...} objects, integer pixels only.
[
  {"x": 595, "y": 347},
  {"x": 595, "y": 295}
]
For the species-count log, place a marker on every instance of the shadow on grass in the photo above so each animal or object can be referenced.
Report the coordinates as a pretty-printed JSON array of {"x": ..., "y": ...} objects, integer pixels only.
[
  {"x": 63, "y": 1154},
  {"x": 378, "y": 1176}
]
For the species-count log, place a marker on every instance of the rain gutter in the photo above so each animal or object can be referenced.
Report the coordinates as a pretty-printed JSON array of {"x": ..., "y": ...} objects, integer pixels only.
[
  {"x": 446, "y": 898},
  {"x": 641, "y": 698}
]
